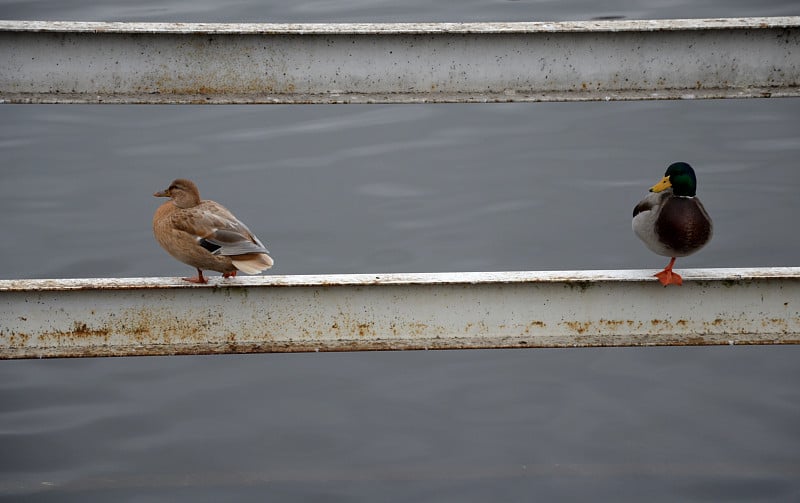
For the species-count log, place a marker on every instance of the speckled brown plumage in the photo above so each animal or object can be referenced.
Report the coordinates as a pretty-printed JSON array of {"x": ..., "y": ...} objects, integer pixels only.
[{"x": 205, "y": 235}]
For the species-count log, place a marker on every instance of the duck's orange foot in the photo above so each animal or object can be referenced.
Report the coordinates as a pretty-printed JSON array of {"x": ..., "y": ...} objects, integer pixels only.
[
  {"x": 669, "y": 277},
  {"x": 229, "y": 274},
  {"x": 197, "y": 279}
]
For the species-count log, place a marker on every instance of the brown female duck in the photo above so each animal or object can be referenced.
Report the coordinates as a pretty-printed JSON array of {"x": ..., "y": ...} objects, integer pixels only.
[
  {"x": 671, "y": 220},
  {"x": 205, "y": 235}
]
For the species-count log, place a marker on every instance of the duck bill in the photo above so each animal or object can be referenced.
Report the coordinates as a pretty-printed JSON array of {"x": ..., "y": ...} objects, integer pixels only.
[
  {"x": 663, "y": 184},
  {"x": 161, "y": 193}
]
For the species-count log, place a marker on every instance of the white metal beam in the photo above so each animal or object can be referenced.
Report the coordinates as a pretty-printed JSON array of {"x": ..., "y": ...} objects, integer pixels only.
[
  {"x": 81, "y": 62},
  {"x": 160, "y": 316}
]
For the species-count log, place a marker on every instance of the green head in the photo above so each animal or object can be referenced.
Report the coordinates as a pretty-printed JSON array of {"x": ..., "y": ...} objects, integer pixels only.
[{"x": 679, "y": 176}]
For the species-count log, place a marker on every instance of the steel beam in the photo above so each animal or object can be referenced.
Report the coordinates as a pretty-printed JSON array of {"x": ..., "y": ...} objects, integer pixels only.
[
  {"x": 161, "y": 316},
  {"x": 90, "y": 62}
]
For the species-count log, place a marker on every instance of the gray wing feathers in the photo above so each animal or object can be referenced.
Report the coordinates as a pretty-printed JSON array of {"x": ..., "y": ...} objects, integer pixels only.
[
  {"x": 231, "y": 235},
  {"x": 233, "y": 243}
]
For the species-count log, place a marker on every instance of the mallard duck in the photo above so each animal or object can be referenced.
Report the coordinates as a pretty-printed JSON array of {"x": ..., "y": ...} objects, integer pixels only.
[
  {"x": 671, "y": 220},
  {"x": 205, "y": 235}
]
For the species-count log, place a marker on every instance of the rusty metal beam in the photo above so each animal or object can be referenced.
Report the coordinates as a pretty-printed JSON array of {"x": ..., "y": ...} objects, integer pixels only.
[
  {"x": 93, "y": 62},
  {"x": 160, "y": 316}
]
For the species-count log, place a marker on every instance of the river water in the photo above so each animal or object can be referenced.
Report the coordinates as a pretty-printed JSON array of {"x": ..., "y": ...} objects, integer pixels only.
[{"x": 400, "y": 188}]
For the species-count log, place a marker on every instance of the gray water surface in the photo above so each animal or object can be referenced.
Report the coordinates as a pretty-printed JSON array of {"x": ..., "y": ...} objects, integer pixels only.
[{"x": 408, "y": 188}]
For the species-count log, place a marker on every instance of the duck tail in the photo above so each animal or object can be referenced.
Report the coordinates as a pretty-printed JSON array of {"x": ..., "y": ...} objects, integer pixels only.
[{"x": 252, "y": 263}]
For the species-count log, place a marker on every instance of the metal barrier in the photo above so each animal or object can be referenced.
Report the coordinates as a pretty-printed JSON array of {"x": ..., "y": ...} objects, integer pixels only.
[
  {"x": 79, "y": 62},
  {"x": 89, "y": 62},
  {"x": 157, "y": 316}
]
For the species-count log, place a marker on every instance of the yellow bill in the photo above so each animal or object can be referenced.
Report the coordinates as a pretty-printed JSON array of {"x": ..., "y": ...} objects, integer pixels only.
[{"x": 663, "y": 184}]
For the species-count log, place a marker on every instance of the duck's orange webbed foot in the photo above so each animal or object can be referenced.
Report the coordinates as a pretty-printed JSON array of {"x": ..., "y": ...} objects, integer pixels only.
[
  {"x": 197, "y": 279},
  {"x": 229, "y": 274},
  {"x": 668, "y": 276}
]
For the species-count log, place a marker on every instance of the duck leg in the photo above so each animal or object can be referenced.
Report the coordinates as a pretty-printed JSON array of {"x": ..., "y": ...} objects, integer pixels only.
[
  {"x": 668, "y": 277},
  {"x": 197, "y": 279},
  {"x": 229, "y": 274}
]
